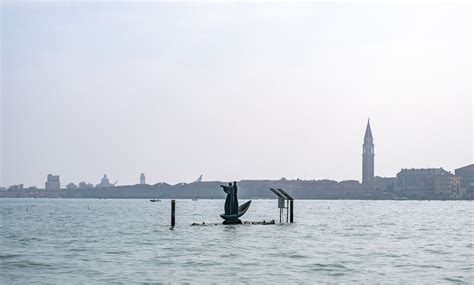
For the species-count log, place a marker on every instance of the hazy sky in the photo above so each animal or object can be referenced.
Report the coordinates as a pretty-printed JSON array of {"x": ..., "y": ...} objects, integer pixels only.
[{"x": 232, "y": 90}]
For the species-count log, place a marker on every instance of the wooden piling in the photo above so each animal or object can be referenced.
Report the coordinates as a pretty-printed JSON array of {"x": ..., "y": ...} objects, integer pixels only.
[
  {"x": 173, "y": 212},
  {"x": 291, "y": 211}
]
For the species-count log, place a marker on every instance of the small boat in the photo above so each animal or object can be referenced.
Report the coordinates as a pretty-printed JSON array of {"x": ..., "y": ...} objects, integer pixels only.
[
  {"x": 155, "y": 200},
  {"x": 195, "y": 199},
  {"x": 242, "y": 209}
]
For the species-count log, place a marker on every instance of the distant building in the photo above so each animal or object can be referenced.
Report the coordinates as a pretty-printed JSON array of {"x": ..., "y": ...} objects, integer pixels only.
[
  {"x": 384, "y": 184},
  {"x": 421, "y": 180},
  {"x": 368, "y": 158},
  {"x": 18, "y": 187},
  {"x": 52, "y": 182},
  {"x": 467, "y": 178},
  {"x": 104, "y": 182},
  {"x": 142, "y": 179},
  {"x": 348, "y": 185},
  {"x": 448, "y": 186}
]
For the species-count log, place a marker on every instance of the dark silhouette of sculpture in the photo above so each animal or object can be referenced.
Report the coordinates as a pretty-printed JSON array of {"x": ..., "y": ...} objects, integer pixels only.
[
  {"x": 229, "y": 207},
  {"x": 232, "y": 211}
]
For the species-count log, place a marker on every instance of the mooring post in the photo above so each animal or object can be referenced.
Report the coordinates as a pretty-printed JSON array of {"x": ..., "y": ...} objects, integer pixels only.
[
  {"x": 291, "y": 211},
  {"x": 173, "y": 212}
]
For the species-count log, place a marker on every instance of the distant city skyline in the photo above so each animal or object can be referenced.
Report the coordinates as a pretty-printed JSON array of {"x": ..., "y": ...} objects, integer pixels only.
[{"x": 231, "y": 90}]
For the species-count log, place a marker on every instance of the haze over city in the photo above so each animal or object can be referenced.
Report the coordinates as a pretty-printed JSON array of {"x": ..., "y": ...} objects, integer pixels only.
[
  {"x": 198, "y": 142},
  {"x": 232, "y": 90}
]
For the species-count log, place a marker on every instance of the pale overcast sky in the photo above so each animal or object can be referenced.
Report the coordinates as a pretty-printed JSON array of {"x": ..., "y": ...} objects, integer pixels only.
[{"x": 232, "y": 90}]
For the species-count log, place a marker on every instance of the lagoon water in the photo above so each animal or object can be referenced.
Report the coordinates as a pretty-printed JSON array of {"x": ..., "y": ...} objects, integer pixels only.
[{"x": 84, "y": 241}]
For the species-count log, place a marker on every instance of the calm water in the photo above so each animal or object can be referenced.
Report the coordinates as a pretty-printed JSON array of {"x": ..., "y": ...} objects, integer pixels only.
[{"x": 129, "y": 241}]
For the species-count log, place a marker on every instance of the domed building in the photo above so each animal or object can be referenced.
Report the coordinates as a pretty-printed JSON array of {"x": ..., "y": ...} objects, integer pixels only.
[{"x": 104, "y": 182}]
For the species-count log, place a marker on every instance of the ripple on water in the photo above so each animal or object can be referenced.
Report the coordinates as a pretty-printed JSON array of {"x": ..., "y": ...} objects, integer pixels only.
[
  {"x": 386, "y": 224},
  {"x": 198, "y": 264},
  {"x": 117, "y": 252},
  {"x": 436, "y": 251},
  {"x": 330, "y": 267},
  {"x": 457, "y": 280},
  {"x": 8, "y": 256},
  {"x": 28, "y": 239},
  {"x": 419, "y": 266},
  {"x": 28, "y": 264},
  {"x": 297, "y": 256},
  {"x": 76, "y": 249}
]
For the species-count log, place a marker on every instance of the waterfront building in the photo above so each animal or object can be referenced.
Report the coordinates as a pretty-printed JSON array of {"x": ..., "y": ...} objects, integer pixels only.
[
  {"x": 368, "y": 158},
  {"x": 142, "y": 179},
  {"x": 384, "y": 184},
  {"x": 467, "y": 178},
  {"x": 104, "y": 182},
  {"x": 349, "y": 185},
  {"x": 418, "y": 179},
  {"x": 448, "y": 185},
  {"x": 52, "y": 182},
  {"x": 18, "y": 187}
]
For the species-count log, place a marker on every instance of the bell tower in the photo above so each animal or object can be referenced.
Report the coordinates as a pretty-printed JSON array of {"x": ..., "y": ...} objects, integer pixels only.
[{"x": 368, "y": 158}]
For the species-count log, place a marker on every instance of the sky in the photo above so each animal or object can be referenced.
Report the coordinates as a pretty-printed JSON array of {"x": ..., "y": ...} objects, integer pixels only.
[{"x": 231, "y": 90}]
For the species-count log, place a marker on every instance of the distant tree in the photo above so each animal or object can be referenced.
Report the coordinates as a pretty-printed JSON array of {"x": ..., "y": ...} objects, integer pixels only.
[
  {"x": 84, "y": 185},
  {"x": 71, "y": 186}
]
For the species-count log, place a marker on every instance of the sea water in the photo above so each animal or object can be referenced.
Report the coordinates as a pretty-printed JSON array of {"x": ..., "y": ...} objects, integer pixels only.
[{"x": 86, "y": 241}]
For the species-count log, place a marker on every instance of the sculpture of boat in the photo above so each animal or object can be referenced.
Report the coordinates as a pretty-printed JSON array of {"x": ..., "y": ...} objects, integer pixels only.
[{"x": 242, "y": 209}]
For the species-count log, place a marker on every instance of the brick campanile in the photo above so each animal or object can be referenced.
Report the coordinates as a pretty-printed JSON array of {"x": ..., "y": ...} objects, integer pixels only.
[{"x": 368, "y": 158}]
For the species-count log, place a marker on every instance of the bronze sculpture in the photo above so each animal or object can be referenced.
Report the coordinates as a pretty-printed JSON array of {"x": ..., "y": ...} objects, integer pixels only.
[{"x": 232, "y": 211}]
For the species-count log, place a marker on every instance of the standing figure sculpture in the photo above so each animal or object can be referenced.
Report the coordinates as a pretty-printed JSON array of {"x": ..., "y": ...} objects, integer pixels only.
[
  {"x": 235, "y": 201},
  {"x": 232, "y": 211},
  {"x": 229, "y": 207}
]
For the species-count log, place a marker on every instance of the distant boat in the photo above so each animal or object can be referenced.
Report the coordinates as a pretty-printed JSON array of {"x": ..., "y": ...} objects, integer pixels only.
[
  {"x": 195, "y": 199},
  {"x": 155, "y": 200}
]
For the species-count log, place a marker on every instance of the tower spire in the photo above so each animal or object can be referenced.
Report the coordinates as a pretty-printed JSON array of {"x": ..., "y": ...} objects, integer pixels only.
[
  {"x": 368, "y": 158},
  {"x": 368, "y": 131}
]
